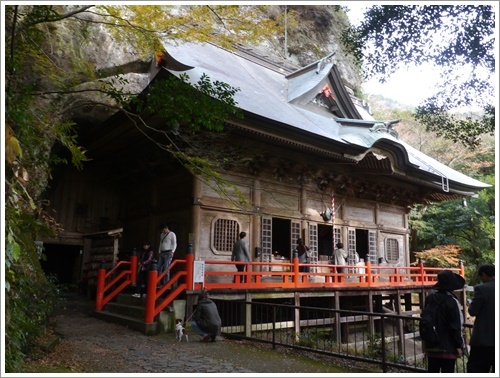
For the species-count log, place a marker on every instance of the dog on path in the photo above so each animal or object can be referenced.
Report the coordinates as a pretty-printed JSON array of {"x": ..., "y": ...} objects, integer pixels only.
[{"x": 180, "y": 330}]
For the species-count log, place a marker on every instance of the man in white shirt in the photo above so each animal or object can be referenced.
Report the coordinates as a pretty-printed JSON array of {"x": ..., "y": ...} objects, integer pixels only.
[{"x": 168, "y": 244}]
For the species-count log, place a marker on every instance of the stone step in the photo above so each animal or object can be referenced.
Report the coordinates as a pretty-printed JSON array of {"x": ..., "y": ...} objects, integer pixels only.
[
  {"x": 129, "y": 322},
  {"x": 131, "y": 310}
]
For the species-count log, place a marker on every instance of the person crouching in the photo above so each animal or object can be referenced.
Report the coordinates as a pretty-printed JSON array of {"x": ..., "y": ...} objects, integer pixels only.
[{"x": 206, "y": 320}]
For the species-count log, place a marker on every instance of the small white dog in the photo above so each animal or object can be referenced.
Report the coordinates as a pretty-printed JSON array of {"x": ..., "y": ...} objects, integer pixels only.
[{"x": 180, "y": 330}]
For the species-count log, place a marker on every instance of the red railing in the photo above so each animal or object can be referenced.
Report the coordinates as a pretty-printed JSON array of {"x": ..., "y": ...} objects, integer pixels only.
[
  {"x": 154, "y": 301},
  {"x": 261, "y": 275},
  {"x": 221, "y": 274},
  {"x": 110, "y": 284}
]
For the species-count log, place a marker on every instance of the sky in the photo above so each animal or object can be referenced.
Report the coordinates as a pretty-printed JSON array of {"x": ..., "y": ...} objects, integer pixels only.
[{"x": 406, "y": 86}]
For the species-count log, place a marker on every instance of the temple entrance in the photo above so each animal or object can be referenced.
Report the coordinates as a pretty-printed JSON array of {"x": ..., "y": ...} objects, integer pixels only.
[
  {"x": 325, "y": 240},
  {"x": 362, "y": 243},
  {"x": 282, "y": 236}
]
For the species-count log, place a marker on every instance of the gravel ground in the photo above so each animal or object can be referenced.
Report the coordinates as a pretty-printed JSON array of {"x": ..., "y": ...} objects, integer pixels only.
[{"x": 90, "y": 345}]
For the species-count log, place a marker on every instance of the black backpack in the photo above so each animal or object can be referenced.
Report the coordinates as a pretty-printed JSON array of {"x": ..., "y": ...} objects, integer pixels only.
[{"x": 432, "y": 320}]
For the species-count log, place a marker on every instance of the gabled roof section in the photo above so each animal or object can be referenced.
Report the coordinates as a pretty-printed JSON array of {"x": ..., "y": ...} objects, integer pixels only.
[{"x": 320, "y": 82}]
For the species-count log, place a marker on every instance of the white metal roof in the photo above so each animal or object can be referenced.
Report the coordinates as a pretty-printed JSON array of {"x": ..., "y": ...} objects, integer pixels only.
[{"x": 270, "y": 94}]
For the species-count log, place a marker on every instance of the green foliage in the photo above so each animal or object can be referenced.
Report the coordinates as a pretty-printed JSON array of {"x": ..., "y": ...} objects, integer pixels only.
[
  {"x": 374, "y": 349},
  {"x": 30, "y": 304},
  {"x": 469, "y": 224},
  {"x": 457, "y": 38},
  {"x": 191, "y": 106},
  {"x": 433, "y": 113}
]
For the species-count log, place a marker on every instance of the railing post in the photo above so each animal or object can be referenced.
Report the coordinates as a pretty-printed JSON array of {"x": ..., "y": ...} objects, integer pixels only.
[
  {"x": 295, "y": 255},
  {"x": 149, "y": 313},
  {"x": 384, "y": 357},
  {"x": 133, "y": 266},
  {"x": 274, "y": 325},
  {"x": 190, "y": 268},
  {"x": 368, "y": 265},
  {"x": 99, "y": 296},
  {"x": 421, "y": 266}
]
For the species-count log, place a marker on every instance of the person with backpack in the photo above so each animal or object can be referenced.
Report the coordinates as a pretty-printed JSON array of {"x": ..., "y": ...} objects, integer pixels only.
[{"x": 441, "y": 324}]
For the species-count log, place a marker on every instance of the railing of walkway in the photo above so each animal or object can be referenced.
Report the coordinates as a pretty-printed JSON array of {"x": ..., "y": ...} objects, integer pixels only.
[
  {"x": 389, "y": 341},
  {"x": 259, "y": 275},
  {"x": 221, "y": 274}
]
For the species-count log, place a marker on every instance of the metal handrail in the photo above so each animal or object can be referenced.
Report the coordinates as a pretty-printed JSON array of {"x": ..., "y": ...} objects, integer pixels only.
[{"x": 317, "y": 330}]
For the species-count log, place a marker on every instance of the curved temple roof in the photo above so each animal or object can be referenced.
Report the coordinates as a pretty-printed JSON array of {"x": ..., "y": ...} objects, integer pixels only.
[{"x": 289, "y": 99}]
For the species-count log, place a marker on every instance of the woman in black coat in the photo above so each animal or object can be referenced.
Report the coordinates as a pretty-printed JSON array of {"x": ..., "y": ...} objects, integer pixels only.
[{"x": 441, "y": 357}]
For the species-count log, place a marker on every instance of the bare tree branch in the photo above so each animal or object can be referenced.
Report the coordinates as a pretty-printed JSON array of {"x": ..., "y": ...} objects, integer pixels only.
[
  {"x": 55, "y": 19},
  {"x": 218, "y": 17}
]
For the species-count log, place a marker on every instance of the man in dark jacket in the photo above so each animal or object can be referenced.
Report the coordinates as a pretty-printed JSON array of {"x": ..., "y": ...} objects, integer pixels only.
[
  {"x": 206, "y": 320},
  {"x": 241, "y": 253},
  {"x": 482, "y": 342}
]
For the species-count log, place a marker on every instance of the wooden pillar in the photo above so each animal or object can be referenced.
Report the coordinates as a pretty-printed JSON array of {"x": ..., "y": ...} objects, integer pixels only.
[
  {"x": 338, "y": 329},
  {"x": 371, "y": 322},
  {"x": 401, "y": 332},
  {"x": 248, "y": 315},
  {"x": 194, "y": 233},
  {"x": 297, "y": 315},
  {"x": 255, "y": 233},
  {"x": 378, "y": 308},
  {"x": 408, "y": 304}
]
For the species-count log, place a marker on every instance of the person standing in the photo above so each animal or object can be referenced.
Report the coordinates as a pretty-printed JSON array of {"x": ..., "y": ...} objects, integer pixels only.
[
  {"x": 206, "y": 320},
  {"x": 168, "y": 245},
  {"x": 442, "y": 355},
  {"x": 482, "y": 306},
  {"x": 339, "y": 256},
  {"x": 303, "y": 252},
  {"x": 144, "y": 264},
  {"x": 241, "y": 253}
]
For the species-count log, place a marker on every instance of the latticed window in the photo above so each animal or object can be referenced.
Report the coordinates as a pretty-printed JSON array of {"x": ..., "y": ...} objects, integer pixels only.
[
  {"x": 295, "y": 234},
  {"x": 266, "y": 241},
  {"x": 351, "y": 249},
  {"x": 313, "y": 245},
  {"x": 392, "y": 251},
  {"x": 372, "y": 247},
  {"x": 225, "y": 233},
  {"x": 336, "y": 237}
]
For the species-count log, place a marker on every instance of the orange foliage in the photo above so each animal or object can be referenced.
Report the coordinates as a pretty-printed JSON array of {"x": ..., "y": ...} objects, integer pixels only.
[{"x": 441, "y": 256}]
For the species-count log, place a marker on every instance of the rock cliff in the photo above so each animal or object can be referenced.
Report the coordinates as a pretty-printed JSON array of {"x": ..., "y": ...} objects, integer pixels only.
[{"x": 314, "y": 34}]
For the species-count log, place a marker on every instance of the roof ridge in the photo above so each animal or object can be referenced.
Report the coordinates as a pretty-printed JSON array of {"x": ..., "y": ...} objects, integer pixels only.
[{"x": 258, "y": 56}]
